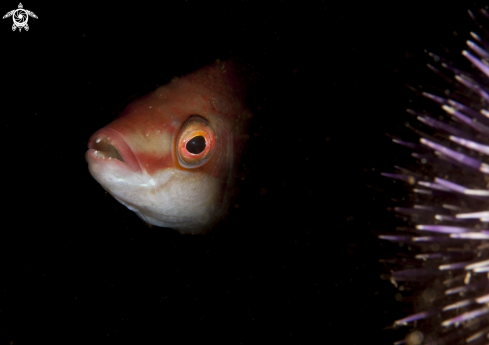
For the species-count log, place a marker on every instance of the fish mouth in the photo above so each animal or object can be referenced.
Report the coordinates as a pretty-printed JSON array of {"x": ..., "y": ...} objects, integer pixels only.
[
  {"x": 104, "y": 149},
  {"x": 108, "y": 145}
]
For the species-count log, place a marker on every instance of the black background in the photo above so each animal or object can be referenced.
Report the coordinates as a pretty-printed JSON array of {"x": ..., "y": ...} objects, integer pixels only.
[{"x": 297, "y": 260}]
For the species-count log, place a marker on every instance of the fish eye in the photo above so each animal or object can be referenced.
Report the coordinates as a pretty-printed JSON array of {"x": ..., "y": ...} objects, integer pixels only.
[{"x": 195, "y": 142}]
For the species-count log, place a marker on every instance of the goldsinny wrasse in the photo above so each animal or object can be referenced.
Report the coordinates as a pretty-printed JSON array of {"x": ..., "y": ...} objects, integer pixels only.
[{"x": 172, "y": 156}]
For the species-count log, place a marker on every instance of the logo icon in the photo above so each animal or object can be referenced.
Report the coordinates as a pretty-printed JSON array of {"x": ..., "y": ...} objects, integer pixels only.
[{"x": 20, "y": 17}]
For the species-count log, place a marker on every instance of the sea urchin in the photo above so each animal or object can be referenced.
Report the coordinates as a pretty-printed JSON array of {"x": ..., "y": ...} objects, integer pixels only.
[{"x": 447, "y": 228}]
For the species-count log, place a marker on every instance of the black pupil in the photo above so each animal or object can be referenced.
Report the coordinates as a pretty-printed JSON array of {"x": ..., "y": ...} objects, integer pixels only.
[{"x": 196, "y": 145}]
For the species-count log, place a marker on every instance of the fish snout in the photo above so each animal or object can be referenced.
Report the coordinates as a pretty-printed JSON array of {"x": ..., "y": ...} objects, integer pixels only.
[{"x": 108, "y": 145}]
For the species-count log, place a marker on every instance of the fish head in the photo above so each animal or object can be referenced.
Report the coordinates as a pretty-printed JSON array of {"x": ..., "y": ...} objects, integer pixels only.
[{"x": 172, "y": 155}]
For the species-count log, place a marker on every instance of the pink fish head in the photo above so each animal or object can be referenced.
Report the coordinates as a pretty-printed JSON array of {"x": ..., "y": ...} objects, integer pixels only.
[{"x": 172, "y": 156}]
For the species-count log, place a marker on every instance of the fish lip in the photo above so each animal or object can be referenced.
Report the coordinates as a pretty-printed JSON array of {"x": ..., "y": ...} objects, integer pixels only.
[{"x": 116, "y": 139}]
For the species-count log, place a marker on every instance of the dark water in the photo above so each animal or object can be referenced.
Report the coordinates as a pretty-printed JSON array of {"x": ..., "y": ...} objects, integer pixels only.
[{"x": 297, "y": 259}]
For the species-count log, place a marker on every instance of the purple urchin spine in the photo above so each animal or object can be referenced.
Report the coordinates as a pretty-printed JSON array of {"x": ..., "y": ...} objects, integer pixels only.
[{"x": 447, "y": 227}]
